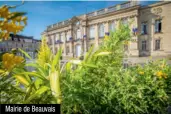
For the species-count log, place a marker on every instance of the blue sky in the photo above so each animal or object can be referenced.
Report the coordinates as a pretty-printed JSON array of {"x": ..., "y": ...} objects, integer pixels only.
[{"x": 43, "y": 13}]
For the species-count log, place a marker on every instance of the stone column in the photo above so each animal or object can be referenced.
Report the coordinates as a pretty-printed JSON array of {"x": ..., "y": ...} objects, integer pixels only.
[
  {"x": 53, "y": 43},
  {"x": 85, "y": 38},
  {"x": 58, "y": 44},
  {"x": 71, "y": 38},
  {"x": 133, "y": 46},
  {"x": 152, "y": 36},
  {"x": 96, "y": 36},
  {"x": 64, "y": 46}
]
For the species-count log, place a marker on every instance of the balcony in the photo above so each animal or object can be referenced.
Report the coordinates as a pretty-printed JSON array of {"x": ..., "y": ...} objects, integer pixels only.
[
  {"x": 112, "y": 8},
  {"x": 66, "y": 22},
  {"x": 99, "y": 12},
  {"x": 91, "y": 14}
]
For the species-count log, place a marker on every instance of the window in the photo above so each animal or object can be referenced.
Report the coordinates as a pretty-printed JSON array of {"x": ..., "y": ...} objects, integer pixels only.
[
  {"x": 78, "y": 50},
  {"x": 112, "y": 26},
  {"x": 144, "y": 28},
  {"x": 101, "y": 30},
  {"x": 50, "y": 41},
  {"x": 56, "y": 50},
  {"x": 144, "y": 45},
  {"x": 56, "y": 39},
  {"x": 158, "y": 26},
  {"x": 125, "y": 47},
  {"x": 125, "y": 65},
  {"x": 78, "y": 34},
  {"x": 67, "y": 50},
  {"x": 67, "y": 37},
  {"x": 92, "y": 32},
  {"x": 77, "y": 23},
  {"x": 62, "y": 37},
  {"x": 125, "y": 22},
  {"x": 157, "y": 45}
]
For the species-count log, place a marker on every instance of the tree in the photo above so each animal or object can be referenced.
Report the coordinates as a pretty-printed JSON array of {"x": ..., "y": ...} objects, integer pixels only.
[{"x": 11, "y": 22}]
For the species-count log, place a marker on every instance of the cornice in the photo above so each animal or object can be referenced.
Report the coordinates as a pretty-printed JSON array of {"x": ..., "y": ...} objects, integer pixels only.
[{"x": 114, "y": 13}]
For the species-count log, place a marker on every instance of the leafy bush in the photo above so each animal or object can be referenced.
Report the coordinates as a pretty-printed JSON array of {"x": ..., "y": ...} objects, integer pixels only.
[
  {"x": 97, "y": 84},
  {"x": 108, "y": 88}
]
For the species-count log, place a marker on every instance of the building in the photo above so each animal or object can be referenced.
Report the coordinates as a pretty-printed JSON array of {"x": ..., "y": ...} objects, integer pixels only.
[
  {"x": 152, "y": 23},
  {"x": 25, "y": 43}
]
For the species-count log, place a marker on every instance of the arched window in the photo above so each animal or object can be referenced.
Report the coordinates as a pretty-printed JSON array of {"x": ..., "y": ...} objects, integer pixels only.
[
  {"x": 78, "y": 34},
  {"x": 101, "y": 30}
]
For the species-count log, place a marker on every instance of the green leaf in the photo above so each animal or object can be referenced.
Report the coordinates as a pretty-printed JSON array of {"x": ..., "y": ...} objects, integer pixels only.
[
  {"x": 88, "y": 54},
  {"x": 56, "y": 60},
  {"x": 25, "y": 53},
  {"x": 77, "y": 62},
  {"x": 38, "y": 93},
  {"x": 103, "y": 53},
  {"x": 34, "y": 74},
  {"x": 90, "y": 65}
]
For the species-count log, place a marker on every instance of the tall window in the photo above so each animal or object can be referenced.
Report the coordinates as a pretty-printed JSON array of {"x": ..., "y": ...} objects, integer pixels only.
[
  {"x": 157, "y": 44},
  {"x": 144, "y": 28},
  {"x": 125, "y": 21},
  {"x": 67, "y": 37},
  {"x": 158, "y": 26},
  {"x": 125, "y": 47},
  {"x": 92, "y": 32},
  {"x": 62, "y": 37},
  {"x": 112, "y": 26},
  {"x": 78, "y": 34},
  {"x": 50, "y": 41},
  {"x": 56, "y": 39},
  {"x": 67, "y": 50},
  {"x": 144, "y": 45},
  {"x": 101, "y": 30},
  {"x": 78, "y": 50}
]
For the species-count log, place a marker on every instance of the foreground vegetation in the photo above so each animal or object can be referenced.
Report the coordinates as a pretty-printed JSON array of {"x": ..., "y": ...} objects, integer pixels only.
[{"x": 97, "y": 84}]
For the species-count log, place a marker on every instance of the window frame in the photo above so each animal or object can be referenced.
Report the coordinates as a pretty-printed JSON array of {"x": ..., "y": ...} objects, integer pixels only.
[
  {"x": 143, "y": 30},
  {"x": 112, "y": 26},
  {"x": 144, "y": 45},
  {"x": 157, "y": 44},
  {"x": 157, "y": 21},
  {"x": 92, "y": 32},
  {"x": 101, "y": 30},
  {"x": 78, "y": 36}
]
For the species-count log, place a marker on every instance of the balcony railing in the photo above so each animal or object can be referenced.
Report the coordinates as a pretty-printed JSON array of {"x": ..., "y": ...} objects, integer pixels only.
[
  {"x": 91, "y": 14},
  {"x": 113, "y": 8},
  {"x": 99, "y": 12}
]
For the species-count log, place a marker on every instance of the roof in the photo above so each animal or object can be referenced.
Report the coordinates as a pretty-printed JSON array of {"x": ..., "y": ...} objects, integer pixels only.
[{"x": 21, "y": 36}]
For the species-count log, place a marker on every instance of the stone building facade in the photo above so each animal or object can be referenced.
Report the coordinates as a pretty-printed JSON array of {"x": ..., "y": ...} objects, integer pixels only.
[
  {"x": 152, "y": 23},
  {"x": 25, "y": 43}
]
